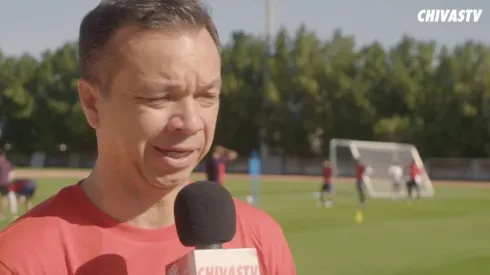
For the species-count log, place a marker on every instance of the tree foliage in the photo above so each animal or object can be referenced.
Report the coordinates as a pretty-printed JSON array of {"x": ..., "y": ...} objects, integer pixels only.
[{"x": 416, "y": 92}]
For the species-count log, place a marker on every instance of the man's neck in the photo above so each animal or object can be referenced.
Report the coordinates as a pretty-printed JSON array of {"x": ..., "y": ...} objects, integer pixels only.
[{"x": 136, "y": 203}]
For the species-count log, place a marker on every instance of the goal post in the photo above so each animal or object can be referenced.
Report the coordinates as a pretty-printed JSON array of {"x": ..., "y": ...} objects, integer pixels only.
[{"x": 379, "y": 157}]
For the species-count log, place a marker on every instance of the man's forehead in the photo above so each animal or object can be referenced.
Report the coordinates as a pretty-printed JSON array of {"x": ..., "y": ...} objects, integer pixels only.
[
  {"x": 167, "y": 52},
  {"x": 133, "y": 40}
]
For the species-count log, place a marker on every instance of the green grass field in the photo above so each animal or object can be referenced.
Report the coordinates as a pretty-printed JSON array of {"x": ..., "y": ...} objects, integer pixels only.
[{"x": 445, "y": 235}]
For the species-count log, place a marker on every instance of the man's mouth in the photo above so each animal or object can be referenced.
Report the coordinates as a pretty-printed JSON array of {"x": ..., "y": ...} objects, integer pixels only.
[{"x": 175, "y": 153}]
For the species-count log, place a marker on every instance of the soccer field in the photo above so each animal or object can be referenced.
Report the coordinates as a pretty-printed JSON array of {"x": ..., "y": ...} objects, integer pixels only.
[{"x": 448, "y": 234}]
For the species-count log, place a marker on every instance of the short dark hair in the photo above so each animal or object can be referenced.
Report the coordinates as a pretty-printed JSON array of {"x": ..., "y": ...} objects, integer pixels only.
[{"x": 101, "y": 23}]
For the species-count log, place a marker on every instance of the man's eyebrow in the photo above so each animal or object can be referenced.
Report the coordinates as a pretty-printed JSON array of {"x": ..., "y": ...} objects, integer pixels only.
[
  {"x": 153, "y": 85},
  {"x": 164, "y": 86},
  {"x": 213, "y": 84}
]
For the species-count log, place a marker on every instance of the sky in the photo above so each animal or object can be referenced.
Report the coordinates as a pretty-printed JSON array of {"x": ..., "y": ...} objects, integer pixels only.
[{"x": 36, "y": 25}]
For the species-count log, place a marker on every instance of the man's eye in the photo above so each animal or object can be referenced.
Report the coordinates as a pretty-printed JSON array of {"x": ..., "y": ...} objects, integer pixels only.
[
  {"x": 208, "y": 100},
  {"x": 153, "y": 99},
  {"x": 209, "y": 96}
]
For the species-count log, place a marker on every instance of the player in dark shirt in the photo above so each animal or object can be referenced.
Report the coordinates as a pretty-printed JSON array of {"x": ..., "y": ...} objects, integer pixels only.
[
  {"x": 326, "y": 192},
  {"x": 360, "y": 171},
  {"x": 212, "y": 164}
]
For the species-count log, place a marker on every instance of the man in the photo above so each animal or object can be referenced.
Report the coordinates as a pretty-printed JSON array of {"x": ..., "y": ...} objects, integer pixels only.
[
  {"x": 254, "y": 170},
  {"x": 326, "y": 192},
  {"x": 25, "y": 190},
  {"x": 6, "y": 196},
  {"x": 396, "y": 173},
  {"x": 150, "y": 85},
  {"x": 360, "y": 171},
  {"x": 216, "y": 164},
  {"x": 226, "y": 156},
  {"x": 414, "y": 181}
]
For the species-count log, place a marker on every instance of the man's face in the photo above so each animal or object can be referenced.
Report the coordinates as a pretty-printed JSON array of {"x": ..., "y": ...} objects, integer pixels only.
[{"x": 160, "y": 114}]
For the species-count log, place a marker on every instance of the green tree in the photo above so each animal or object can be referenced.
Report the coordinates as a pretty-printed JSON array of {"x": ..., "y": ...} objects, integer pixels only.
[{"x": 433, "y": 96}]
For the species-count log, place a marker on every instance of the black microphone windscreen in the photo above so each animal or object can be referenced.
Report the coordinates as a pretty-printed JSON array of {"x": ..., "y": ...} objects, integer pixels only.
[{"x": 204, "y": 214}]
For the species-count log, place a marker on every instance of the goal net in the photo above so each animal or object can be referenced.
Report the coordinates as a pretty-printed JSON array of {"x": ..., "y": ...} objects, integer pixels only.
[{"x": 378, "y": 158}]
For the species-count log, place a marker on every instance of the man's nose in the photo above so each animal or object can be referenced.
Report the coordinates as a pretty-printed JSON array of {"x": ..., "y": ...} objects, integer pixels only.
[{"x": 187, "y": 117}]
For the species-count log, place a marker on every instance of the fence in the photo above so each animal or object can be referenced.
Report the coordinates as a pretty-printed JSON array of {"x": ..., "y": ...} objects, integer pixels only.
[
  {"x": 457, "y": 169},
  {"x": 463, "y": 169}
]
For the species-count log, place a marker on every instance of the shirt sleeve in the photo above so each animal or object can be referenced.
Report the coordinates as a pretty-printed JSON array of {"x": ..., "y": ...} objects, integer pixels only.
[{"x": 277, "y": 255}]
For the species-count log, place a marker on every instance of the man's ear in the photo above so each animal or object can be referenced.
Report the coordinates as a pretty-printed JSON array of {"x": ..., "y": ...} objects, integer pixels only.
[{"x": 89, "y": 95}]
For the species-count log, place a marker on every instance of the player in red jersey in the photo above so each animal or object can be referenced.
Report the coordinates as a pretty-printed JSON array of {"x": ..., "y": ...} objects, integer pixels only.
[
  {"x": 360, "y": 172},
  {"x": 25, "y": 189},
  {"x": 326, "y": 192},
  {"x": 216, "y": 164},
  {"x": 225, "y": 155},
  {"x": 150, "y": 88},
  {"x": 6, "y": 196},
  {"x": 415, "y": 180}
]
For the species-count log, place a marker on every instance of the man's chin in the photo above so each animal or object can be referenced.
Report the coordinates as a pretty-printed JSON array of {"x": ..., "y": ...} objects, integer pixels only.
[{"x": 170, "y": 181}]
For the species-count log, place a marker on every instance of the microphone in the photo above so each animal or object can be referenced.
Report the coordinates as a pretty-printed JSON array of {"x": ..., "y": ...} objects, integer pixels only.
[
  {"x": 205, "y": 215},
  {"x": 205, "y": 218}
]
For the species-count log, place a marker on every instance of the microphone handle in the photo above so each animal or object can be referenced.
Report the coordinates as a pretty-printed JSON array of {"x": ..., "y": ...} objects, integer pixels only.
[{"x": 209, "y": 246}]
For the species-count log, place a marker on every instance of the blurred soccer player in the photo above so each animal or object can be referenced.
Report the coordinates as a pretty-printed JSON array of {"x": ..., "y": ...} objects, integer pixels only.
[
  {"x": 414, "y": 181},
  {"x": 150, "y": 88},
  {"x": 212, "y": 166},
  {"x": 326, "y": 192},
  {"x": 216, "y": 164},
  {"x": 226, "y": 155},
  {"x": 396, "y": 173},
  {"x": 7, "y": 197},
  {"x": 25, "y": 189},
  {"x": 360, "y": 171}
]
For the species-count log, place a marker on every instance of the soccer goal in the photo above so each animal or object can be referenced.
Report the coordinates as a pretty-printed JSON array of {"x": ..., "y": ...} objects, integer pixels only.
[{"x": 378, "y": 157}]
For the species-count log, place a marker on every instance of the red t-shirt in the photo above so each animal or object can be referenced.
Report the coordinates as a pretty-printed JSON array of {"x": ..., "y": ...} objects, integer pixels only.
[
  {"x": 360, "y": 171},
  {"x": 15, "y": 187},
  {"x": 414, "y": 170},
  {"x": 67, "y": 234},
  {"x": 327, "y": 174}
]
